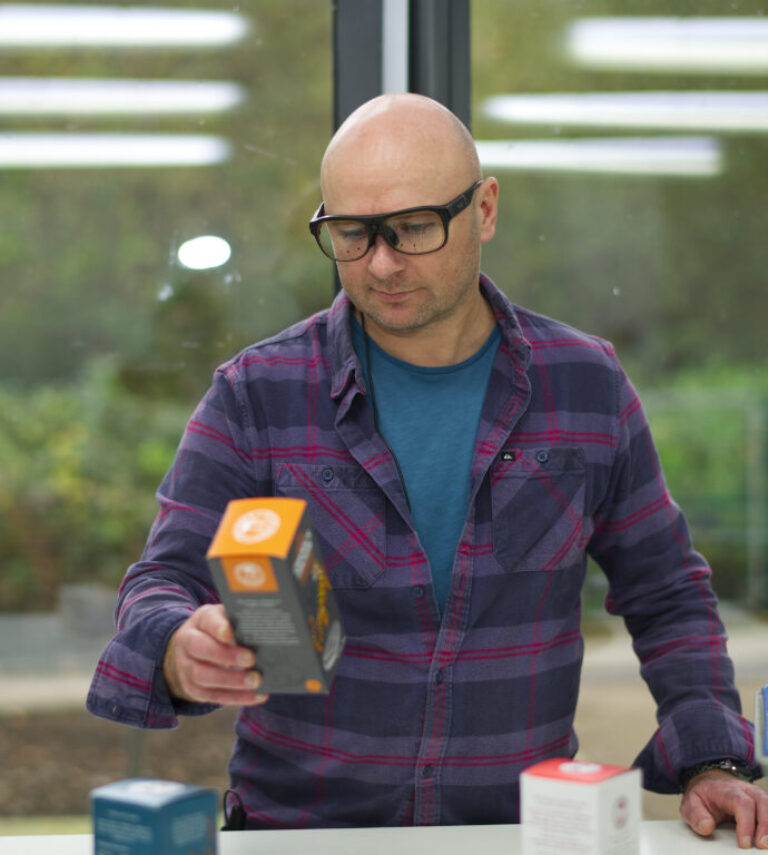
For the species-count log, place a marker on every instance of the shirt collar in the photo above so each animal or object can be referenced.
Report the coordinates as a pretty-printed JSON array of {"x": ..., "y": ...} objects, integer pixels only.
[
  {"x": 346, "y": 367},
  {"x": 515, "y": 342}
]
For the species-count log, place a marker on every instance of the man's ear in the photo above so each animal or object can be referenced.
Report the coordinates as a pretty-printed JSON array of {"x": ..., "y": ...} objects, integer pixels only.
[{"x": 488, "y": 206}]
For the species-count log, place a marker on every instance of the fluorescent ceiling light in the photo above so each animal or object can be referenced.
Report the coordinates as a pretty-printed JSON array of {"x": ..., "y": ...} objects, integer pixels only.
[
  {"x": 27, "y": 96},
  {"x": 682, "y": 156},
  {"x": 42, "y": 150},
  {"x": 97, "y": 25},
  {"x": 732, "y": 45},
  {"x": 699, "y": 111}
]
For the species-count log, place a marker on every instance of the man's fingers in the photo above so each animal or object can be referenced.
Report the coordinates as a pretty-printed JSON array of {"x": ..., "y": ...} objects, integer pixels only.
[
  {"x": 207, "y": 681},
  {"x": 716, "y": 796},
  {"x": 761, "y": 826},
  {"x": 212, "y": 620},
  {"x": 697, "y": 816},
  {"x": 743, "y": 810},
  {"x": 213, "y": 677},
  {"x": 202, "y": 647},
  {"x": 212, "y": 684},
  {"x": 209, "y": 637},
  {"x": 202, "y": 662},
  {"x": 703, "y": 825},
  {"x": 236, "y": 699}
]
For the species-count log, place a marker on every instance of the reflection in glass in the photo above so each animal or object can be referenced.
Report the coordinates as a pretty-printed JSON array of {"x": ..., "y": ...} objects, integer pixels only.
[
  {"x": 682, "y": 156},
  {"x": 691, "y": 44},
  {"x": 39, "y": 150},
  {"x": 204, "y": 252},
  {"x": 700, "y": 111},
  {"x": 59, "y": 96},
  {"x": 97, "y": 25}
]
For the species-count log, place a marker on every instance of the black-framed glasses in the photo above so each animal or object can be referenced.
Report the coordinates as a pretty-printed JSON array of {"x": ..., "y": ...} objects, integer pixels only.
[{"x": 413, "y": 231}]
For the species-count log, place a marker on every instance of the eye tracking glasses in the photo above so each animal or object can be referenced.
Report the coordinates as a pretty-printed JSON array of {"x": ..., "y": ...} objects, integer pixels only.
[{"x": 413, "y": 231}]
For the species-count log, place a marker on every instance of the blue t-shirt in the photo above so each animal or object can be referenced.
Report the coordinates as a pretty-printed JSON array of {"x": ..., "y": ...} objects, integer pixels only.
[{"x": 429, "y": 419}]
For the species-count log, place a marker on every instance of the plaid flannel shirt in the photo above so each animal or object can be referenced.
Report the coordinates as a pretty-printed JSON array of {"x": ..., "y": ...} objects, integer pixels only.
[{"x": 432, "y": 718}]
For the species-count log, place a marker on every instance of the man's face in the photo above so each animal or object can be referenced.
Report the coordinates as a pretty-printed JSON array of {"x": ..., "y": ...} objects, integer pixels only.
[{"x": 401, "y": 293}]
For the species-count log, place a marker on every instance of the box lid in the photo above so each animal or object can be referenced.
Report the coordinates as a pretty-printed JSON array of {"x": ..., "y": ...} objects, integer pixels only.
[
  {"x": 257, "y": 527},
  {"x": 565, "y": 769},
  {"x": 147, "y": 792}
]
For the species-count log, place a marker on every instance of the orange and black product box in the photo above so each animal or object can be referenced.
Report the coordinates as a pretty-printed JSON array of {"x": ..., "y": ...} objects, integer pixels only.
[{"x": 271, "y": 579}]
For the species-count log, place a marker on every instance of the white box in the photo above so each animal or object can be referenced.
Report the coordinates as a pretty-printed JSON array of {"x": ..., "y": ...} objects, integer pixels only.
[{"x": 580, "y": 808}]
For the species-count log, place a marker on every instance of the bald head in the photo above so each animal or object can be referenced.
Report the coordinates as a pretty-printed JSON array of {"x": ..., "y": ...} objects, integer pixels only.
[{"x": 397, "y": 150}]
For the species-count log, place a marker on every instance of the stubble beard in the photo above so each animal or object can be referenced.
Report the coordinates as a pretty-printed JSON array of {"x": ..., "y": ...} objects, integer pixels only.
[{"x": 413, "y": 320}]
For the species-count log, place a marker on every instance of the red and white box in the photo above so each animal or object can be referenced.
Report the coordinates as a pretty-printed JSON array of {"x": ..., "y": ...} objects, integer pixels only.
[{"x": 581, "y": 808}]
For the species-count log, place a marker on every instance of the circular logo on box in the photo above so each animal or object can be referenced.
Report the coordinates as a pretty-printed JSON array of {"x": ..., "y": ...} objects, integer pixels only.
[
  {"x": 620, "y": 812},
  {"x": 250, "y": 574},
  {"x": 255, "y": 526}
]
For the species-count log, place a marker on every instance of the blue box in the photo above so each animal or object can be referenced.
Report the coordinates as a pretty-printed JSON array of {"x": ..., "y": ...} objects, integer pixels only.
[
  {"x": 761, "y": 727},
  {"x": 146, "y": 816}
]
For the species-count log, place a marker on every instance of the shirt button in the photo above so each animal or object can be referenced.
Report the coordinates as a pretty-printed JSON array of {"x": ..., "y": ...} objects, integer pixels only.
[
  {"x": 417, "y": 592},
  {"x": 542, "y": 456},
  {"x": 327, "y": 474},
  {"x": 427, "y": 771},
  {"x": 439, "y": 677}
]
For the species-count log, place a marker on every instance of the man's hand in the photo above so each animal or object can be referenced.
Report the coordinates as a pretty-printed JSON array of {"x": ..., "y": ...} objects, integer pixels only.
[
  {"x": 203, "y": 663},
  {"x": 715, "y": 796}
]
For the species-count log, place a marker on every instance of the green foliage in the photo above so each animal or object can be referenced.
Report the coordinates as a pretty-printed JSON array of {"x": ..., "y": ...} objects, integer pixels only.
[
  {"x": 711, "y": 429},
  {"x": 80, "y": 465}
]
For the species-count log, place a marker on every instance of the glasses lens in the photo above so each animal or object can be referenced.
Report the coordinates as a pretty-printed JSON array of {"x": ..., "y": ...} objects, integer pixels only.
[
  {"x": 344, "y": 240},
  {"x": 415, "y": 233}
]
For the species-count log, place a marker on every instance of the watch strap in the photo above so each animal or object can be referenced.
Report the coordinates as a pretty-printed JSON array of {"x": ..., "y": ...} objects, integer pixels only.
[{"x": 725, "y": 764}]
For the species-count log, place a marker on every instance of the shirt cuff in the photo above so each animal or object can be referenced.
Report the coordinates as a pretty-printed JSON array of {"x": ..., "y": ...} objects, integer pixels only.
[{"x": 128, "y": 685}]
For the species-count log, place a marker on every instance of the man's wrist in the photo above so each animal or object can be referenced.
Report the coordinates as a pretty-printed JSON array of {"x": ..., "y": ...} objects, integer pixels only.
[
  {"x": 723, "y": 764},
  {"x": 169, "y": 671}
]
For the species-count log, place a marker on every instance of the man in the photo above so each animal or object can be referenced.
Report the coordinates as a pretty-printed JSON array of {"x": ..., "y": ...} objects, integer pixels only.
[{"x": 460, "y": 457}]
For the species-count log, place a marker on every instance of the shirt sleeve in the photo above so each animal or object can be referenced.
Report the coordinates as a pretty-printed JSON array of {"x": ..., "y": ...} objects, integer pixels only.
[
  {"x": 172, "y": 579},
  {"x": 662, "y": 588}
]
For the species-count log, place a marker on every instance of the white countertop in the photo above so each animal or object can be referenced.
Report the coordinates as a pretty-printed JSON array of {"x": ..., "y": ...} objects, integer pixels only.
[{"x": 671, "y": 837}]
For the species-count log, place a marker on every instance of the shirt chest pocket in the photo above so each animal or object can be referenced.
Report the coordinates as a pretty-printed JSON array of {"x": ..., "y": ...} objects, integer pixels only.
[
  {"x": 347, "y": 510},
  {"x": 538, "y": 508}
]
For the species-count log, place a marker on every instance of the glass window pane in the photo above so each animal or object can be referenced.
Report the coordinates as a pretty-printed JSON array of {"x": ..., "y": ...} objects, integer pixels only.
[
  {"x": 630, "y": 140},
  {"x": 158, "y": 166}
]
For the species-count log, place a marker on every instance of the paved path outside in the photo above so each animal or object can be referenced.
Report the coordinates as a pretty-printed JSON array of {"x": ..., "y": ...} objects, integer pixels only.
[{"x": 46, "y": 661}]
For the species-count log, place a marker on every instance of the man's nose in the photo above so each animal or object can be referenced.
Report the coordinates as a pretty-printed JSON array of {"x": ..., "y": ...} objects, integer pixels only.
[{"x": 383, "y": 259}]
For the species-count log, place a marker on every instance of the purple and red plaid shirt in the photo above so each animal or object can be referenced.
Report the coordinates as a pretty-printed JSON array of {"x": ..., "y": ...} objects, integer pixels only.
[{"x": 430, "y": 720}]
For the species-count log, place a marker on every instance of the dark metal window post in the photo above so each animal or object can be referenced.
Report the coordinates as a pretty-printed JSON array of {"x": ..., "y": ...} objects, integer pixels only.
[{"x": 401, "y": 45}]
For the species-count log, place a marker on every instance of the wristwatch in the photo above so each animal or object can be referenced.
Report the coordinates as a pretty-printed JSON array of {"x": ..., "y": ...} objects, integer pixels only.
[{"x": 724, "y": 763}]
